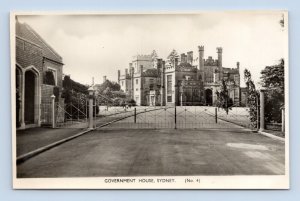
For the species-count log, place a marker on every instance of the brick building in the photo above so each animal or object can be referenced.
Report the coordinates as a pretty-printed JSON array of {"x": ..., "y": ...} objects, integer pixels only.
[
  {"x": 34, "y": 59},
  {"x": 180, "y": 79}
]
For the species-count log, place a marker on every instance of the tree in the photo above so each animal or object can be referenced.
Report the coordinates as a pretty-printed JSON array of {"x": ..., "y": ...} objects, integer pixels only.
[
  {"x": 223, "y": 99},
  {"x": 76, "y": 94},
  {"x": 110, "y": 93},
  {"x": 273, "y": 79},
  {"x": 108, "y": 85},
  {"x": 252, "y": 98}
]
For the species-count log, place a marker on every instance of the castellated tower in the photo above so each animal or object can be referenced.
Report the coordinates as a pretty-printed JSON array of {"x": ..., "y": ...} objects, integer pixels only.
[
  {"x": 201, "y": 61},
  {"x": 219, "y": 51}
]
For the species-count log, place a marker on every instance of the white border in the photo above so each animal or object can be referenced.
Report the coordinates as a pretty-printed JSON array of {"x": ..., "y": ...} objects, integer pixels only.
[{"x": 206, "y": 182}]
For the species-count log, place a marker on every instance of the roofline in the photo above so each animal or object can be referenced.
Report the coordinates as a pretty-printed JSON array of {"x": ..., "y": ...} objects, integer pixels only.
[
  {"x": 28, "y": 41},
  {"x": 53, "y": 60},
  {"x": 42, "y": 40}
]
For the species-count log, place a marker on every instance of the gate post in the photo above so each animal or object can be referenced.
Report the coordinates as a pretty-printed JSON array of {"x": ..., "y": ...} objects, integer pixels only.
[
  {"x": 91, "y": 96},
  {"x": 262, "y": 110},
  {"x": 53, "y": 110},
  {"x": 135, "y": 115},
  {"x": 175, "y": 117},
  {"x": 216, "y": 115},
  {"x": 282, "y": 119}
]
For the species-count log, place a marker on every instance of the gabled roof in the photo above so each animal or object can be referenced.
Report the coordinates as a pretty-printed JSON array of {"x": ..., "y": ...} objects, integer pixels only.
[{"x": 24, "y": 31}]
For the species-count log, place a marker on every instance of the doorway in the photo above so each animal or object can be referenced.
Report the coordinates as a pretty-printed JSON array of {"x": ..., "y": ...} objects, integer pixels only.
[
  {"x": 208, "y": 95},
  {"x": 29, "y": 101}
]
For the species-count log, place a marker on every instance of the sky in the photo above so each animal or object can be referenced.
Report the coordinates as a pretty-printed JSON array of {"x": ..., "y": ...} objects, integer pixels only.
[{"x": 100, "y": 44}]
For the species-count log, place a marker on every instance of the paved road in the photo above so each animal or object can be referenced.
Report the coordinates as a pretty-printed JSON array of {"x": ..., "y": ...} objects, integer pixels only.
[{"x": 121, "y": 152}]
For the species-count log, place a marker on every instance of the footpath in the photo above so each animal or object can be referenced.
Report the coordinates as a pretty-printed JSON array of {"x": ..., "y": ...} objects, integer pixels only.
[{"x": 32, "y": 141}]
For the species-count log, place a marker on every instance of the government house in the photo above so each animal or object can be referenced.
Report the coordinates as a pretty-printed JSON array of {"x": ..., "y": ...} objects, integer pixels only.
[{"x": 180, "y": 79}]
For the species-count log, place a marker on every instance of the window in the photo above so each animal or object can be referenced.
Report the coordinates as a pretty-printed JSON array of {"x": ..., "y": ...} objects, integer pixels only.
[
  {"x": 50, "y": 76},
  {"x": 169, "y": 98},
  {"x": 151, "y": 84},
  {"x": 122, "y": 83},
  {"x": 169, "y": 83},
  {"x": 136, "y": 81},
  {"x": 53, "y": 70}
]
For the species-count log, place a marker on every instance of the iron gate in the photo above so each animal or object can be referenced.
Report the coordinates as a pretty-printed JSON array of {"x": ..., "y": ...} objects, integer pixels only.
[{"x": 179, "y": 117}]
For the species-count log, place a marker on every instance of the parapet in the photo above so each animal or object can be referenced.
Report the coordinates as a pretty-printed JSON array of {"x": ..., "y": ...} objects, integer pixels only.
[
  {"x": 219, "y": 49},
  {"x": 142, "y": 57},
  {"x": 201, "y": 48}
]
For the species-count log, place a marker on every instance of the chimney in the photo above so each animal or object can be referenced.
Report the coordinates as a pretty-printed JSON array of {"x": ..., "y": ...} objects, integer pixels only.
[
  {"x": 119, "y": 75},
  {"x": 190, "y": 57},
  {"x": 238, "y": 65},
  {"x": 175, "y": 62},
  {"x": 104, "y": 78},
  {"x": 183, "y": 58},
  {"x": 141, "y": 69}
]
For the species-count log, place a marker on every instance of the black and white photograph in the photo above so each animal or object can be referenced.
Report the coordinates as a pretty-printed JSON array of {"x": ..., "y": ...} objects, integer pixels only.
[{"x": 150, "y": 100}]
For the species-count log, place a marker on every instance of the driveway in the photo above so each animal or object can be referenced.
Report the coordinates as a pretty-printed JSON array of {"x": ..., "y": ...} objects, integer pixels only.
[{"x": 147, "y": 152}]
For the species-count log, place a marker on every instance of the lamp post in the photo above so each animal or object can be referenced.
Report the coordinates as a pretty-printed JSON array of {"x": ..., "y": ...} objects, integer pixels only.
[{"x": 91, "y": 96}]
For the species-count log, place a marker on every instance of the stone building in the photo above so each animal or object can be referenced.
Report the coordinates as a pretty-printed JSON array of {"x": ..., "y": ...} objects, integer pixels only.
[
  {"x": 180, "y": 79},
  {"x": 34, "y": 59}
]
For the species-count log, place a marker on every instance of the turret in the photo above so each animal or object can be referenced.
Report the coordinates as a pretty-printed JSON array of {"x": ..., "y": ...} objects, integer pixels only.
[
  {"x": 104, "y": 79},
  {"x": 201, "y": 58},
  {"x": 131, "y": 71},
  {"x": 219, "y": 51},
  {"x": 200, "y": 71}
]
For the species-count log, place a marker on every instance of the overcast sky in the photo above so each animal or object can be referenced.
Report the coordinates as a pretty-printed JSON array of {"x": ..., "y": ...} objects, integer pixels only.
[{"x": 98, "y": 45}]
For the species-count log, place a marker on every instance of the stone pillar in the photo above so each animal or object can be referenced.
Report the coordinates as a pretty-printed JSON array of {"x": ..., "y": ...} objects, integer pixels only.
[
  {"x": 181, "y": 99},
  {"x": 90, "y": 113},
  {"x": 283, "y": 119},
  {"x": 53, "y": 110},
  {"x": 262, "y": 110},
  {"x": 91, "y": 96}
]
